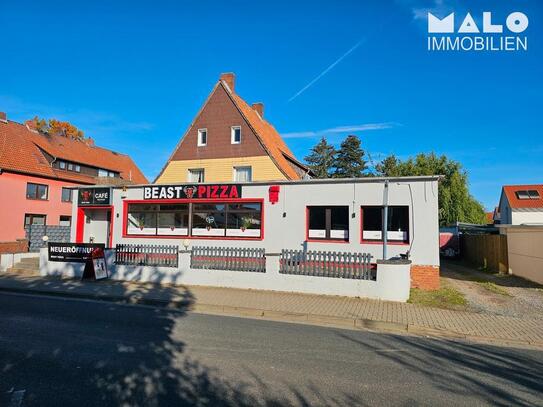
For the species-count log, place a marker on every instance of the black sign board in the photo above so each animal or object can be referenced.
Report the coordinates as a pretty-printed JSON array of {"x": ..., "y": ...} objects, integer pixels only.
[
  {"x": 201, "y": 191},
  {"x": 72, "y": 252},
  {"x": 94, "y": 196}
]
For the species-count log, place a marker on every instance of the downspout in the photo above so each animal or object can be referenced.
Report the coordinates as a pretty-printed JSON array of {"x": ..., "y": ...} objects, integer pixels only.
[{"x": 385, "y": 220}]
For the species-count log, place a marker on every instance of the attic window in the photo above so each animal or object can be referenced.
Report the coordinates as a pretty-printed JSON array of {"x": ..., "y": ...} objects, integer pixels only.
[
  {"x": 202, "y": 137},
  {"x": 236, "y": 134},
  {"x": 528, "y": 194}
]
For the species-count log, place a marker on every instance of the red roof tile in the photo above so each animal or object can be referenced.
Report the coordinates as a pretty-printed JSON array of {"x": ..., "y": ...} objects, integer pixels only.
[
  {"x": 22, "y": 150},
  {"x": 511, "y": 190}
]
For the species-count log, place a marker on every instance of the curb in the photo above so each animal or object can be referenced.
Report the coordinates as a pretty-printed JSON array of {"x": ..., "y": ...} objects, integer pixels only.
[{"x": 283, "y": 316}]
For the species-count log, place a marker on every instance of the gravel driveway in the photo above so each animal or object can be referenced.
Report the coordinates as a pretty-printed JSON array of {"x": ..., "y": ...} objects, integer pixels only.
[{"x": 494, "y": 293}]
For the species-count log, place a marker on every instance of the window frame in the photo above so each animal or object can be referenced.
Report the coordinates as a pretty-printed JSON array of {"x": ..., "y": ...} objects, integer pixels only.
[
  {"x": 191, "y": 170},
  {"x": 233, "y": 134},
  {"x": 36, "y": 198},
  {"x": 190, "y": 203},
  {"x": 65, "y": 216},
  {"x": 238, "y": 167},
  {"x": 32, "y": 215},
  {"x": 62, "y": 195},
  {"x": 328, "y": 225},
  {"x": 405, "y": 242},
  {"x": 199, "y": 138}
]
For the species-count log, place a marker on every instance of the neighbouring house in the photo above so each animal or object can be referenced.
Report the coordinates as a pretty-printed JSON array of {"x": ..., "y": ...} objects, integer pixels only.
[
  {"x": 231, "y": 141},
  {"x": 521, "y": 205},
  {"x": 39, "y": 171}
]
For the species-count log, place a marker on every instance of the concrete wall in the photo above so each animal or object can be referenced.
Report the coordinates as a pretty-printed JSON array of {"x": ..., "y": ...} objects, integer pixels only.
[
  {"x": 7, "y": 260},
  {"x": 285, "y": 221},
  {"x": 525, "y": 252},
  {"x": 14, "y": 205},
  {"x": 392, "y": 284}
]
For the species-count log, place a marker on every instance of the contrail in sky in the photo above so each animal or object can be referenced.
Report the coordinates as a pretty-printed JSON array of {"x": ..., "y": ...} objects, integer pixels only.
[{"x": 337, "y": 61}]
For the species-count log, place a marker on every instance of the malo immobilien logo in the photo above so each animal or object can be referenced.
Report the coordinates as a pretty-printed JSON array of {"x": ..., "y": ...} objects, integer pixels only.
[{"x": 445, "y": 35}]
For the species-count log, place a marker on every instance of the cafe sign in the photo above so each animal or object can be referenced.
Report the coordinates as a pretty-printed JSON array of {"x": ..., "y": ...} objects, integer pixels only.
[
  {"x": 211, "y": 191},
  {"x": 94, "y": 196}
]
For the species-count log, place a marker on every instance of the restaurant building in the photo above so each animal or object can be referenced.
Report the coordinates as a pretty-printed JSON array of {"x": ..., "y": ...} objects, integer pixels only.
[
  {"x": 332, "y": 215},
  {"x": 38, "y": 172}
]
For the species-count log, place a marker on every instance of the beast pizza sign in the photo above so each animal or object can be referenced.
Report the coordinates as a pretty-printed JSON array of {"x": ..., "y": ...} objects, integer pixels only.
[{"x": 211, "y": 191}]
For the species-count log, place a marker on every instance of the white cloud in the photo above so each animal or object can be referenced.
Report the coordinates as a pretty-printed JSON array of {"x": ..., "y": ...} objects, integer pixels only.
[{"x": 340, "y": 130}]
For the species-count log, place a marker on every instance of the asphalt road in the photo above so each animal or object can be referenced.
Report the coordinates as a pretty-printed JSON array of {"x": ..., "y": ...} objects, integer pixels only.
[{"x": 65, "y": 352}]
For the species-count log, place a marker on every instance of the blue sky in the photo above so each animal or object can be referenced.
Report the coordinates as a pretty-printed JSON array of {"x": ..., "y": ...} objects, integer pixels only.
[{"x": 133, "y": 74}]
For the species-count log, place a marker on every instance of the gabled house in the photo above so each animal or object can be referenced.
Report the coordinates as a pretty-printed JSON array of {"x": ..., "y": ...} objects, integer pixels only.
[
  {"x": 521, "y": 205},
  {"x": 38, "y": 172},
  {"x": 229, "y": 140}
]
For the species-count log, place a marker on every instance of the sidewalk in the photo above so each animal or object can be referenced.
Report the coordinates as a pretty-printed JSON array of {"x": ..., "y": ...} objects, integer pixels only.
[{"x": 313, "y": 309}]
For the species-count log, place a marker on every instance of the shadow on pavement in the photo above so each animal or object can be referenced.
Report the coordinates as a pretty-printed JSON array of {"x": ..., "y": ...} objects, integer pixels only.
[{"x": 470, "y": 370}]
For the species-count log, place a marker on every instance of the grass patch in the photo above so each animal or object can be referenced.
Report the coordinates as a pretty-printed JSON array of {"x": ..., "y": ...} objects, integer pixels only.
[
  {"x": 494, "y": 288},
  {"x": 445, "y": 297}
]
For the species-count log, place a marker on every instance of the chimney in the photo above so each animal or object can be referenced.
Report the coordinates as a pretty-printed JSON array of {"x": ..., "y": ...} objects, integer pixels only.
[
  {"x": 259, "y": 108},
  {"x": 3, "y": 117},
  {"x": 230, "y": 79}
]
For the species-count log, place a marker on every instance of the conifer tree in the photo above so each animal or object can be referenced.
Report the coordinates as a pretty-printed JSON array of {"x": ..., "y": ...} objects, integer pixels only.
[
  {"x": 321, "y": 159},
  {"x": 350, "y": 161}
]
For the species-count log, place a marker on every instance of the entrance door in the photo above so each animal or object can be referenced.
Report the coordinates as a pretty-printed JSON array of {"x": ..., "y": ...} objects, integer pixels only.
[{"x": 96, "y": 225}]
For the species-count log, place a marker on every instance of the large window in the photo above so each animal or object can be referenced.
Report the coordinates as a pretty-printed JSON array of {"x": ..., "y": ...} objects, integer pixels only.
[
  {"x": 33, "y": 219},
  {"x": 328, "y": 223},
  {"x": 171, "y": 220},
  {"x": 206, "y": 219},
  {"x": 243, "y": 174},
  {"x": 37, "y": 191},
  {"x": 196, "y": 175},
  {"x": 397, "y": 227},
  {"x": 67, "y": 194}
]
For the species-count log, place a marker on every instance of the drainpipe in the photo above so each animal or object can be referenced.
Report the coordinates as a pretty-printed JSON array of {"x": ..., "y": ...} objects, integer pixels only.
[{"x": 385, "y": 220}]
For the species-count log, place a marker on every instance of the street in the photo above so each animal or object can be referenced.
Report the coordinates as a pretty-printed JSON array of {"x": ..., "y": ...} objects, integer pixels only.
[{"x": 64, "y": 352}]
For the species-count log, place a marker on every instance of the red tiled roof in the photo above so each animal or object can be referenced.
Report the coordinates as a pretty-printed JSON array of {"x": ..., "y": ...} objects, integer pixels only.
[
  {"x": 22, "y": 150},
  {"x": 269, "y": 137},
  {"x": 514, "y": 202}
]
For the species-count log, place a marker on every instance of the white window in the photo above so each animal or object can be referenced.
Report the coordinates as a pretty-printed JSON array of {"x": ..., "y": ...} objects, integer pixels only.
[
  {"x": 243, "y": 174},
  {"x": 102, "y": 173},
  {"x": 77, "y": 168},
  {"x": 196, "y": 175},
  {"x": 62, "y": 165},
  {"x": 202, "y": 137},
  {"x": 235, "y": 132}
]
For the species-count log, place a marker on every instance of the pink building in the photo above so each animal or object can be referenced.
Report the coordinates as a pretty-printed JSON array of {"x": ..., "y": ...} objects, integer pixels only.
[{"x": 38, "y": 170}]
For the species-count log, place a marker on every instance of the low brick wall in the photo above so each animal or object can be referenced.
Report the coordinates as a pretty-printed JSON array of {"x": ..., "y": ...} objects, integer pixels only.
[
  {"x": 19, "y": 246},
  {"x": 425, "y": 277}
]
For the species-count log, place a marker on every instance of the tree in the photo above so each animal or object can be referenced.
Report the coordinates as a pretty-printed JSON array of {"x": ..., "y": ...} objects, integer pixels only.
[
  {"x": 56, "y": 128},
  {"x": 321, "y": 159},
  {"x": 350, "y": 159},
  {"x": 456, "y": 204}
]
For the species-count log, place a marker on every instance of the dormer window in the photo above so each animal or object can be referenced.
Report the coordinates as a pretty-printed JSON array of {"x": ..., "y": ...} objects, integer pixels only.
[
  {"x": 528, "y": 194},
  {"x": 202, "y": 137},
  {"x": 236, "y": 134}
]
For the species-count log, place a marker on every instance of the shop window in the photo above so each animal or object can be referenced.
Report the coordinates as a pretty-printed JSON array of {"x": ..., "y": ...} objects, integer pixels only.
[
  {"x": 142, "y": 219},
  {"x": 328, "y": 222},
  {"x": 67, "y": 194},
  {"x": 243, "y": 174},
  {"x": 208, "y": 219},
  {"x": 243, "y": 219},
  {"x": 235, "y": 132},
  {"x": 397, "y": 227},
  {"x": 33, "y": 219},
  {"x": 196, "y": 175},
  {"x": 202, "y": 137},
  {"x": 37, "y": 191},
  {"x": 173, "y": 220},
  {"x": 65, "y": 220}
]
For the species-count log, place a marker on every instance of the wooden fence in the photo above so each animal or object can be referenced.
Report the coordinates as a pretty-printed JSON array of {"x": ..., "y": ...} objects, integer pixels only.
[
  {"x": 485, "y": 251},
  {"x": 228, "y": 258},
  {"x": 146, "y": 255},
  {"x": 326, "y": 264}
]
